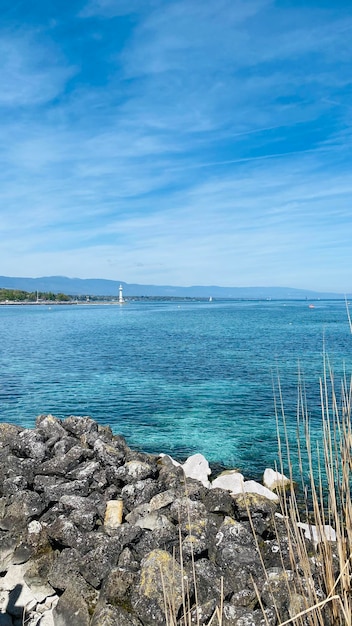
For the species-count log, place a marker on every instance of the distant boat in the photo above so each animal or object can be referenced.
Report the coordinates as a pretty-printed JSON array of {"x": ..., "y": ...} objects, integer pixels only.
[
  {"x": 311, "y": 306},
  {"x": 210, "y": 299}
]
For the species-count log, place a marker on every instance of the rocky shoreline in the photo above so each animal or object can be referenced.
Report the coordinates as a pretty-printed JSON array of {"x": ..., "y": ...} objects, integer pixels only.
[{"x": 93, "y": 533}]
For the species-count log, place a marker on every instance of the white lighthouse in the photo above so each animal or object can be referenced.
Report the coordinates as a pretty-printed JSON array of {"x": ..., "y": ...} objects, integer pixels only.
[{"x": 121, "y": 300}]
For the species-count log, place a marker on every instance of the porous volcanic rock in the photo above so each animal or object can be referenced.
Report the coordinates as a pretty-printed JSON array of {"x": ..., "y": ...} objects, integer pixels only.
[{"x": 182, "y": 545}]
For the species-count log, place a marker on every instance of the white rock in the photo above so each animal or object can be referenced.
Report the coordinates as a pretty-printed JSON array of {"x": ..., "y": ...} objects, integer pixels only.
[
  {"x": 280, "y": 516},
  {"x": 4, "y": 598},
  {"x": 154, "y": 521},
  {"x": 40, "y": 590},
  {"x": 160, "y": 500},
  {"x": 47, "y": 619},
  {"x": 197, "y": 467},
  {"x": 231, "y": 481},
  {"x": 136, "y": 469},
  {"x": 140, "y": 511},
  {"x": 34, "y": 527},
  {"x": 315, "y": 534},
  {"x": 15, "y": 578},
  {"x": 273, "y": 479},
  {"x": 251, "y": 486}
]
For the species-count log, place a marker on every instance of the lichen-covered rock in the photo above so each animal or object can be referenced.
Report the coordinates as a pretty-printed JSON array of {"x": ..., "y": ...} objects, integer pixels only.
[
  {"x": 117, "y": 587},
  {"x": 14, "y": 483},
  {"x": 217, "y": 500},
  {"x": 50, "y": 428},
  {"x": 8, "y": 546},
  {"x": 24, "y": 506},
  {"x": 79, "y": 425},
  {"x": 113, "y": 616},
  {"x": 65, "y": 533},
  {"x": 62, "y": 465},
  {"x": 97, "y": 563},
  {"x": 36, "y": 576},
  {"x": 170, "y": 475},
  {"x": 64, "y": 569},
  {"x": 127, "y": 560},
  {"x": 34, "y": 542},
  {"x": 63, "y": 445},
  {"x": 162, "y": 499},
  {"x": 85, "y": 471},
  {"x": 108, "y": 453},
  {"x": 30, "y": 443},
  {"x": 257, "y": 508},
  {"x": 234, "y": 551},
  {"x": 81, "y": 511},
  {"x": 277, "y": 588},
  {"x": 205, "y": 613},
  {"x": 208, "y": 580},
  {"x": 66, "y": 488},
  {"x": 191, "y": 514},
  {"x": 160, "y": 583},
  {"x": 164, "y": 539},
  {"x": 246, "y": 597},
  {"x": 239, "y": 616},
  {"x": 8, "y": 434},
  {"x": 135, "y": 470},
  {"x": 125, "y": 535},
  {"x": 139, "y": 492}
]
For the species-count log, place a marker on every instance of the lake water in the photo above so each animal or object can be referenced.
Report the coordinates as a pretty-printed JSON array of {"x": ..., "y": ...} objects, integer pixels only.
[{"x": 173, "y": 377}]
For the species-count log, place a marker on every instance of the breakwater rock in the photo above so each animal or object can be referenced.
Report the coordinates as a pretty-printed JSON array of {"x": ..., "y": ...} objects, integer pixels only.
[{"x": 93, "y": 533}]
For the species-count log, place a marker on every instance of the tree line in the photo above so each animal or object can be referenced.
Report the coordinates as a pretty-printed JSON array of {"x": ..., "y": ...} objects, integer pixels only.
[{"x": 17, "y": 295}]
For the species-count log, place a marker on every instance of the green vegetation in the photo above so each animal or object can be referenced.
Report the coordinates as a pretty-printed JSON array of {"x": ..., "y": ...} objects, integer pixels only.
[{"x": 17, "y": 295}]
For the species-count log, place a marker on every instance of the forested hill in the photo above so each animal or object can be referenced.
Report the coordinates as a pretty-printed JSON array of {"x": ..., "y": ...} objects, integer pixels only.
[{"x": 102, "y": 287}]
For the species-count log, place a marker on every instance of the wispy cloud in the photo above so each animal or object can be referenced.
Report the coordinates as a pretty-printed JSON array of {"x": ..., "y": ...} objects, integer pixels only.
[
  {"x": 179, "y": 142},
  {"x": 31, "y": 73}
]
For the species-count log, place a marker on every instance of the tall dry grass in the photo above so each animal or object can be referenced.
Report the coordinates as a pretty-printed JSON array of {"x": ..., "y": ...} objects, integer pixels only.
[
  {"x": 322, "y": 577},
  {"x": 320, "y": 586}
]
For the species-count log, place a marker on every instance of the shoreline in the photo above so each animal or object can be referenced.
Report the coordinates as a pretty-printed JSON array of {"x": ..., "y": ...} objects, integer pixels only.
[{"x": 91, "y": 528}]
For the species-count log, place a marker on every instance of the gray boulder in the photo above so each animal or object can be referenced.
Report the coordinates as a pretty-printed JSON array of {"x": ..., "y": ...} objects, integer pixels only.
[{"x": 71, "y": 609}]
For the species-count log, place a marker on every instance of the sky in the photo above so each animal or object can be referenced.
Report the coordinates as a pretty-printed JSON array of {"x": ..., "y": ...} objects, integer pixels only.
[{"x": 177, "y": 142}]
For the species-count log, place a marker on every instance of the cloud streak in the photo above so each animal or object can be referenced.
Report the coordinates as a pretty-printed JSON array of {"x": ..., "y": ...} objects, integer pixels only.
[{"x": 180, "y": 143}]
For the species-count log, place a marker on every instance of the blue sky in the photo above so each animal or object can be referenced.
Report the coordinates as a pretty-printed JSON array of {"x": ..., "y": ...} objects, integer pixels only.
[{"x": 177, "y": 142}]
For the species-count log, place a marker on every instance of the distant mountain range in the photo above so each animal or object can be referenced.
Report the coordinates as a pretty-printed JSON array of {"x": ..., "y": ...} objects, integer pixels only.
[{"x": 102, "y": 287}]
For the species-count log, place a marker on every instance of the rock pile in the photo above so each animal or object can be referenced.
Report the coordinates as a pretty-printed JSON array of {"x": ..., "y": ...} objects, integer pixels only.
[{"x": 93, "y": 533}]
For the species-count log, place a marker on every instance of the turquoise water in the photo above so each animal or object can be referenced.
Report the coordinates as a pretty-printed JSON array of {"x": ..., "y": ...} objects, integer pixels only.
[{"x": 171, "y": 377}]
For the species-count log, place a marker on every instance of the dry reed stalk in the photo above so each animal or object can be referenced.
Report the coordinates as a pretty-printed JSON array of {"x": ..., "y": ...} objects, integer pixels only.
[
  {"x": 327, "y": 502},
  {"x": 348, "y": 314}
]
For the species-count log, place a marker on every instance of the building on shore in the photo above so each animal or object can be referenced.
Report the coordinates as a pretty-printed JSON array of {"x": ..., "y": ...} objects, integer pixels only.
[{"x": 121, "y": 300}]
